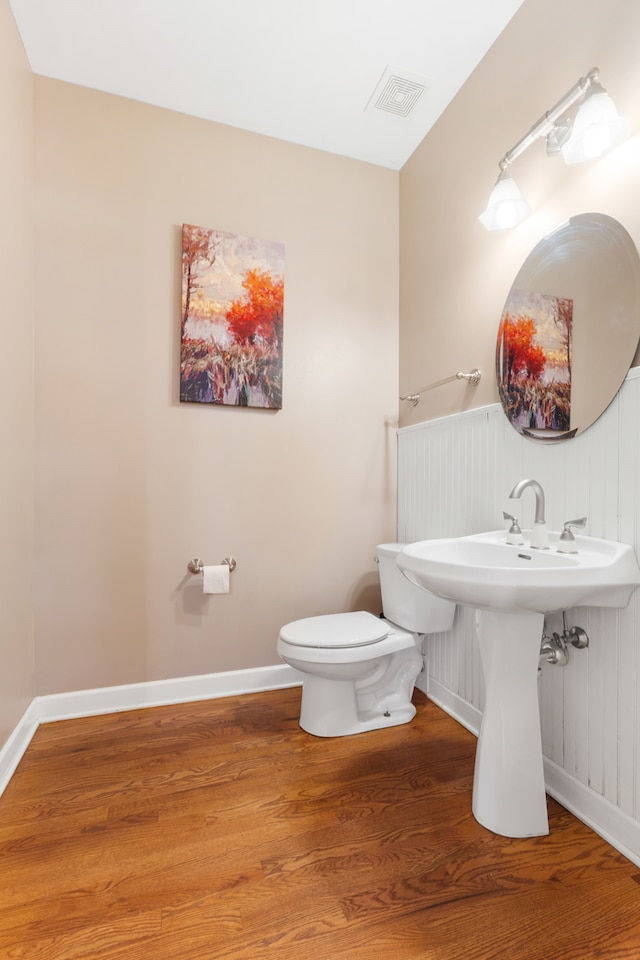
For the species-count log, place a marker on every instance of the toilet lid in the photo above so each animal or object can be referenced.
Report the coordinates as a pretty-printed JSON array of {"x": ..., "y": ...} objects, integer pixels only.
[{"x": 336, "y": 630}]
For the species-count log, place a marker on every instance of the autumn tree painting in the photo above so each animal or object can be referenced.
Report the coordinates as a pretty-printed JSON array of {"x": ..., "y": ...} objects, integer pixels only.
[
  {"x": 232, "y": 319},
  {"x": 533, "y": 363}
]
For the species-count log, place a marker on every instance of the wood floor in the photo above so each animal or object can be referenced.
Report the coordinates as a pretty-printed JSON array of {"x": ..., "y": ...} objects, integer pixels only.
[{"x": 221, "y": 831}]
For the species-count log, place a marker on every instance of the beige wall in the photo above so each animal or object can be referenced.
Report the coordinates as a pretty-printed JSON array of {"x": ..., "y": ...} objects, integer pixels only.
[
  {"x": 131, "y": 484},
  {"x": 455, "y": 276},
  {"x": 16, "y": 377}
]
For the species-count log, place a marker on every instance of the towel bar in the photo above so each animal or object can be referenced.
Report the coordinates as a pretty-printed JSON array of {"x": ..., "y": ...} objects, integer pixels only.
[{"x": 473, "y": 378}]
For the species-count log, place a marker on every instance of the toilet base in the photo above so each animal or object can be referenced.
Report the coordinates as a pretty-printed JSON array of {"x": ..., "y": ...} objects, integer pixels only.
[{"x": 341, "y": 708}]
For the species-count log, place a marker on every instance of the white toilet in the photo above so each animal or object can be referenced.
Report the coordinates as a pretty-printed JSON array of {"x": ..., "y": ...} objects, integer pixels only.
[{"x": 360, "y": 670}]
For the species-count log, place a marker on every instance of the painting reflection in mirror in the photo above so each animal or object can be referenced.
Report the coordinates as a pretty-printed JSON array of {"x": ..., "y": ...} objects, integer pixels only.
[{"x": 533, "y": 364}]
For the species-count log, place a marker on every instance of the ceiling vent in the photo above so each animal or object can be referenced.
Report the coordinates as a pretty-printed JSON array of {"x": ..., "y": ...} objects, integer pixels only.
[{"x": 396, "y": 93}]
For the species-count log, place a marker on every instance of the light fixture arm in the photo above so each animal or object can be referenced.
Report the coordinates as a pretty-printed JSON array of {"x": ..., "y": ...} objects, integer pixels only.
[{"x": 547, "y": 122}]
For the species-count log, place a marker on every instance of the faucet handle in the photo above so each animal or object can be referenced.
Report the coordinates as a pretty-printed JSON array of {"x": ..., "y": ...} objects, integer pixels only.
[
  {"x": 514, "y": 533},
  {"x": 566, "y": 540},
  {"x": 581, "y": 522}
]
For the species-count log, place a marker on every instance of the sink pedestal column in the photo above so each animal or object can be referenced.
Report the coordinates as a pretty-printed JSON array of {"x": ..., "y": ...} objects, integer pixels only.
[{"x": 508, "y": 788}]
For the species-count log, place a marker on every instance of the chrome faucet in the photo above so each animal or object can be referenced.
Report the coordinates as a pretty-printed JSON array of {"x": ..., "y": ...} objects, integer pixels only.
[{"x": 539, "y": 539}]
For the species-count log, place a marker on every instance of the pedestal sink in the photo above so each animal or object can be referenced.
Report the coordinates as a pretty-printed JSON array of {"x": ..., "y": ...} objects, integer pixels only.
[{"x": 512, "y": 587}]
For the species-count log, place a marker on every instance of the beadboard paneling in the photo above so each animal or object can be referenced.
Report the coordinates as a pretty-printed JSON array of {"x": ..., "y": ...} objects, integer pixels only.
[{"x": 454, "y": 476}]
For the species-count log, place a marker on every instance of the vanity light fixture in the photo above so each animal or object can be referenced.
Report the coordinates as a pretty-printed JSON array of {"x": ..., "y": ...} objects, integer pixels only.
[
  {"x": 579, "y": 131},
  {"x": 597, "y": 127},
  {"x": 506, "y": 206}
]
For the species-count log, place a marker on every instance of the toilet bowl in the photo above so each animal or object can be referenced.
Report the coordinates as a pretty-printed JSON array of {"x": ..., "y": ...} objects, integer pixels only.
[{"x": 360, "y": 670}]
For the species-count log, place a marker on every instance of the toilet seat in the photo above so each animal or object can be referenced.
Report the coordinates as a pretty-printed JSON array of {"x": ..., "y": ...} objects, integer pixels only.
[{"x": 336, "y": 631}]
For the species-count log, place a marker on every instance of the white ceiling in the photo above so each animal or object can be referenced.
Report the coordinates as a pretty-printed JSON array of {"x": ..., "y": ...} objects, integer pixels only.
[{"x": 297, "y": 70}]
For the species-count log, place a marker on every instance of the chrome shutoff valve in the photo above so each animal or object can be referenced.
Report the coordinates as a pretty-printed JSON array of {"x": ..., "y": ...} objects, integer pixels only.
[{"x": 554, "y": 650}]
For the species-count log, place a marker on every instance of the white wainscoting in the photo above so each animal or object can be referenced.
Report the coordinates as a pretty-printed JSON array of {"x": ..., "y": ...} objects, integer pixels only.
[{"x": 454, "y": 477}]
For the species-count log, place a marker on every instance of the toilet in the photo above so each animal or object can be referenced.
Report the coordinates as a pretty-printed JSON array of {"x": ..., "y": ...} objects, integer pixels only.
[{"x": 359, "y": 669}]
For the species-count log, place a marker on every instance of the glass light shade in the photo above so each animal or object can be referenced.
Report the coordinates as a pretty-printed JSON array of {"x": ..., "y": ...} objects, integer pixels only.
[
  {"x": 506, "y": 206},
  {"x": 597, "y": 128}
]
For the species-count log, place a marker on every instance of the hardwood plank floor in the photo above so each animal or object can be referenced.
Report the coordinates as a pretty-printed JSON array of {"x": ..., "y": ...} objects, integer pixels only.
[{"x": 219, "y": 830}]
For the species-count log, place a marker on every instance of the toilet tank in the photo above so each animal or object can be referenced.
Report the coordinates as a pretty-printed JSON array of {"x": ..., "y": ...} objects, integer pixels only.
[{"x": 405, "y": 604}]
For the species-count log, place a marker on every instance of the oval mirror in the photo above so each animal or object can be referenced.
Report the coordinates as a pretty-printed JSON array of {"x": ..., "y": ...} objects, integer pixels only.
[{"x": 570, "y": 328}]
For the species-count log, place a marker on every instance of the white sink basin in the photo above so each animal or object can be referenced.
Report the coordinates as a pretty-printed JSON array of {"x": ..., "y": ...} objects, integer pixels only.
[{"x": 485, "y": 572}]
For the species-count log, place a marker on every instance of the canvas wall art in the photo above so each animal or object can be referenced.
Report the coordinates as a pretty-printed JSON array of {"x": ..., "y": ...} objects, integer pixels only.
[
  {"x": 232, "y": 319},
  {"x": 533, "y": 363}
]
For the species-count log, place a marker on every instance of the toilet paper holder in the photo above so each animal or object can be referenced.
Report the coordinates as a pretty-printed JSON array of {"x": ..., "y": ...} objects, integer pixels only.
[{"x": 196, "y": 566}]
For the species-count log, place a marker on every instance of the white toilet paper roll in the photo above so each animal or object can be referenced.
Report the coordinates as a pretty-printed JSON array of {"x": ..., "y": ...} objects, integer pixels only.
[{"x": 215, "y": 579}]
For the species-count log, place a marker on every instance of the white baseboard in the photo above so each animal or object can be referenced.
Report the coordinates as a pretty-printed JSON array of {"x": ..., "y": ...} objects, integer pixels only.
[
  {"x": 602, "y": 816},
  {"x": 13, "y": 750},
  {"x": 466, "y": 714},
  {"x": 156, "y": 693}
]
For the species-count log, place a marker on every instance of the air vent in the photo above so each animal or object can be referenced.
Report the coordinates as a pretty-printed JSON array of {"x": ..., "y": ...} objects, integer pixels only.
[{"x": 396, "y": 93}]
